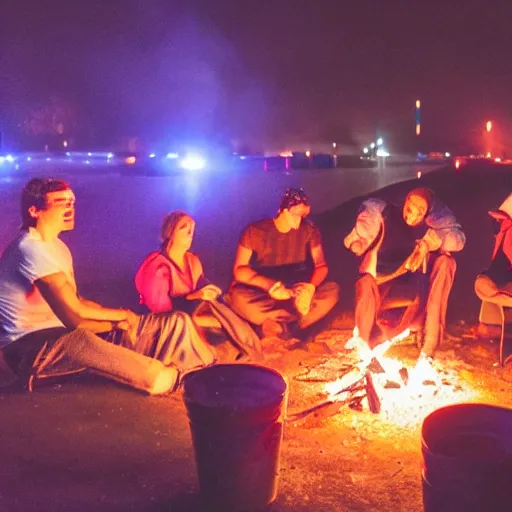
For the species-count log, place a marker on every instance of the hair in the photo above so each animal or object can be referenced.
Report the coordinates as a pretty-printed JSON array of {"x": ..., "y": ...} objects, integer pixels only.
[
  {"x": 292, "y": 197},
  {"x": 168, "y": 228},
  {"x": 35, "y": 194}
]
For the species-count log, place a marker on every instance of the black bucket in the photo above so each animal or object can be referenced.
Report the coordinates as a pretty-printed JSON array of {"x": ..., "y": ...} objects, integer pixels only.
[
  {"x": 467, "y": 458},
  {"x": 236, "y": 414}
]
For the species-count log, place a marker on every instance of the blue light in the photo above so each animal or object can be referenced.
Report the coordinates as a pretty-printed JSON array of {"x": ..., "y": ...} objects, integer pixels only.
[
  {"x": 152, "y": 155},
  {"x": 68, "y": 153},
  {"x": 172, "y": 156},
  {"x": 29, "y": 159},
  {"x": 193, "y": 162},
  {"x": 9, "y": 158},
  {"x": 110, "y": 155}
]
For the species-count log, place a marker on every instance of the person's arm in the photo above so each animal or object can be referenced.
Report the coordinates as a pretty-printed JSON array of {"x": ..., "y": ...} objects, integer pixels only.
[
  {"x": 444, "y": 233},
  {"x": 321, "y": 269},
  {"x": 244, "y": 273},
  {"x": 70, "y": 309},
  {"x": 367, "y": 226}
]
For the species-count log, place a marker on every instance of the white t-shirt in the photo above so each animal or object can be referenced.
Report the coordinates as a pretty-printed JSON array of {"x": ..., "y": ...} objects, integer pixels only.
[{"x": 22, "y": 307}]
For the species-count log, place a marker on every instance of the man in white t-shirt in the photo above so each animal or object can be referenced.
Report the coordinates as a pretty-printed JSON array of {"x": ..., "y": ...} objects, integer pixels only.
[{"x": 47, "y": 329}]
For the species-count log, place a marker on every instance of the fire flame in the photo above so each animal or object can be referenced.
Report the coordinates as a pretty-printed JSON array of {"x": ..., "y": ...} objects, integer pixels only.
[{"x": 407, "y": 394}]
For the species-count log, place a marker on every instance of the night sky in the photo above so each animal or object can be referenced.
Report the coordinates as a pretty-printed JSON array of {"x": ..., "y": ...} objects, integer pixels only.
[{"x": 266, "y": 72}]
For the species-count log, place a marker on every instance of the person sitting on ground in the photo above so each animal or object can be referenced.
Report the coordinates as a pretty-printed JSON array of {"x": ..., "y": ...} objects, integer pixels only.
[
  {"x": 48, "y": 329},
  {"x": 280, "y": 271},
  {"x": 406, "y": 253},
  {"x": 173, "y": 279},
  {"x": 495, "y": 284}
]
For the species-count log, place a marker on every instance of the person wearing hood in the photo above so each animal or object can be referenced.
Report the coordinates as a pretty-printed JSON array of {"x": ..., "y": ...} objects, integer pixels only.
[
  {"x": 495, "y": 284},
  {"x": 406, "y": 253}
]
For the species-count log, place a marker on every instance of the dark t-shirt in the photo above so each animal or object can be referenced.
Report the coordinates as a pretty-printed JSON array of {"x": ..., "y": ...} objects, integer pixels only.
[{"x": 281, "y": 256}]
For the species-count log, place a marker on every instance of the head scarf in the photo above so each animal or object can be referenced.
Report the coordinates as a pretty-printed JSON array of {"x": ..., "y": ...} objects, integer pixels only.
[{"x": 292, "y": 197}]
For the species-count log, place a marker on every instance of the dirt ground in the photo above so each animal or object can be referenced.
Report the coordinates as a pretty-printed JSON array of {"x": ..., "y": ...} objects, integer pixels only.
[{"x": 84, "y": 444}]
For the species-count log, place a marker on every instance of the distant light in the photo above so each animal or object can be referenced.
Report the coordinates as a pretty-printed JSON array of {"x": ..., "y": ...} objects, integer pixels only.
[
  {"x": 418, "y": 129},
  {"x": 457, "y": 163},
  {"x": 152, "y": 155},
  {"x": 172, "y": 156},
  {"x": 372, "y": 145},
  {"x": 193, "y": 162},
  {"x": 418, "y": 174},
  {"x": 285, "y": 154},
  {"x": 379, "y": 141},
  {"x": 488, "y": 155},
  {"x": 65, "y": 143},
  {"x": 488, "y": 126},
  {"x": 242, "y": 157},
  {"x": 334, "y": 144},
  {"x": 308, "y": 153},
  {"x": 497, "y": 159},
  {"x": 87, "y": 162},
  {"x": 17, "y": 166},
  {"x": 2, "y": 159},
  {"x": 110, "y": 155},
  {"x": 68, "y": 153},
  {"x": 29, "y": 158},
  {"x": 418, "y": 104},
  {"x": 383, "y": 153},
  {"x": 130, "y": 160},
  {"x": 89, "y": 154},
  {"x": 447, "y": 155},
  {"x": 365, "y": 150},
  {"x": 9, "y": 158}
]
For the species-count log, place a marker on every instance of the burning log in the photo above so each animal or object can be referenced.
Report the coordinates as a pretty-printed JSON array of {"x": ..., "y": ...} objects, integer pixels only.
[{"x": 371, "y": 394}]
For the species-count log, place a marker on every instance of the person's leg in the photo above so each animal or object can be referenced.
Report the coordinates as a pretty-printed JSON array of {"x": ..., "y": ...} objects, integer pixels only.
[
  {"x": 440, "y": 284},
  {"x": 171, "y": 338},
  {"x": 81, "y": 350},
  {"x": 488, "y": 290},
  {"x": 325, "y": 298},
  {"x": 256, "y": 306},
  {"x": 367, "y": 305}
]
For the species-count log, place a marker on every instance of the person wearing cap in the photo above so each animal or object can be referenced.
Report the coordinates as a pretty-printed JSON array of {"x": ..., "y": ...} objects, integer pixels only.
[
  {"x": 495, "y": 284},
  {"x": 280, "y": 271},
  {"x": 406, "y": 253},
  {"x": 172, "y": 279}
]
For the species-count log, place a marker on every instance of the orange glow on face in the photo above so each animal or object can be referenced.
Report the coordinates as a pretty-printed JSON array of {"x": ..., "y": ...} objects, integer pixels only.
[{"x": 130, "y": 160}]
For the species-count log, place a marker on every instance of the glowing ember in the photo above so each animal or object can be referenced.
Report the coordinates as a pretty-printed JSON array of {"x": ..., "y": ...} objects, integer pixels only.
[{"x": 407, "y": 394}]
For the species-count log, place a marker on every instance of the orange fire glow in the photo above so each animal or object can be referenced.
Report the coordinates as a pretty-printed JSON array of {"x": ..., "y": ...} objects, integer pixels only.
[{"x": 427, "y": 388}]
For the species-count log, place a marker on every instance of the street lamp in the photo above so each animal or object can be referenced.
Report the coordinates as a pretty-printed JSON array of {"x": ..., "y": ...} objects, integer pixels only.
[{"x": 488, "y": 126}]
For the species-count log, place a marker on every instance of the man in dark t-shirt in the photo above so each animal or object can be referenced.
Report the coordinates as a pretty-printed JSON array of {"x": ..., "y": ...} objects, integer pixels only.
[{"x": 280, "y": 270}]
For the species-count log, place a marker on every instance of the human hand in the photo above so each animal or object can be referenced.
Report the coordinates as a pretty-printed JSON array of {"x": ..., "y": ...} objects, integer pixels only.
[
  {"x": 303, "y": 294},
  {"x": 130, "y": 322},
  {"x": 417, "y": 257},
  {"x": 209, "y": 292},
  {"x": 278, "y": 291}
]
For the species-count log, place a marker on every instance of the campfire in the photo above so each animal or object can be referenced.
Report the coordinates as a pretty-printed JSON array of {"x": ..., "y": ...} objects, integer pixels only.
[{"x": 401, "y": 394}]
